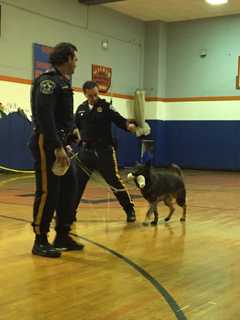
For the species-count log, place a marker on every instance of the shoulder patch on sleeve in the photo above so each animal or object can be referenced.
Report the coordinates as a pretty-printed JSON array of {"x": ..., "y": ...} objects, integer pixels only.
[{"x": 47, "y": 86}]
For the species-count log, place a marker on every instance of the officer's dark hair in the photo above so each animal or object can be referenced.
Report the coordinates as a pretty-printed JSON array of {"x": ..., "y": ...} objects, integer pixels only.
[
  {"x": 89, "y": 85},
  {"x": 61, "y": 53}
]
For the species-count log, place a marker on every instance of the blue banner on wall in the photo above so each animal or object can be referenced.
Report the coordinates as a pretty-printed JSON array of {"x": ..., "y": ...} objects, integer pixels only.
[
  {"x": 15, "y": 132},
  {"x": 40, "y": 59}
]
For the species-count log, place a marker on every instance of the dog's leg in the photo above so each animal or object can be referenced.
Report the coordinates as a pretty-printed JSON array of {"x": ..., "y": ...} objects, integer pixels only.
[
  {"x": 148, "y": 216},
  {"x": 169, "y": 204},
  {"x": 155, "y": 221},
  {"x": 183, "y": 218},
  {"x": 181, "y": 201}
]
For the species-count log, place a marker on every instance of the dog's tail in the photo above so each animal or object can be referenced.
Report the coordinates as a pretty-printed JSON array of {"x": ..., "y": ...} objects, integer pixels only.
[{"x": 177, "y": 169}]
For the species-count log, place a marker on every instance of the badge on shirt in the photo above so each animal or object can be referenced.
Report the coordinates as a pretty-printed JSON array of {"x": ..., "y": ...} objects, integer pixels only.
[
  {"x": 47, "y": 86},
  {"x": 99, "y": 109}
]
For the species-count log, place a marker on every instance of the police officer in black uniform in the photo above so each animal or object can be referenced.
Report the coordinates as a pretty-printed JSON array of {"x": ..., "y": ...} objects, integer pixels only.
[
  {"x": 53, "y": 121},
  {"x": 94, "y": 119}
]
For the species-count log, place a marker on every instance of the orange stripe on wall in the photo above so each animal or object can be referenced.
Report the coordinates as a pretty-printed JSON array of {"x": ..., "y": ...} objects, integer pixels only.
[
  {"x": 14, "y": 79},
  {"x": 155, "y": 99},
  {"x": 118, "y": 95},
  {"x": 77, "y": 89},
  {"x": 189, "y": 99},
  {"x": 131, "y": 97},
  {"x": 194, "y": 99}
]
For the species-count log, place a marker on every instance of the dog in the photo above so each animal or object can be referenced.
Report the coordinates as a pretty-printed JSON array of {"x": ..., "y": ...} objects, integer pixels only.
[{"x": 156, "y": 187}]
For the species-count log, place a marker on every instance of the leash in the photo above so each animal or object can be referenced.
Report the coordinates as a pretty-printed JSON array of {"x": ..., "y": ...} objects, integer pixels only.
[{"x": 89, "y": 172}]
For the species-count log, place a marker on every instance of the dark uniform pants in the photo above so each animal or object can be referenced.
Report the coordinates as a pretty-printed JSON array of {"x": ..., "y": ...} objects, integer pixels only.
[
  {"x": 53, "y": 193},
  {"x": 102, "y": 159}
]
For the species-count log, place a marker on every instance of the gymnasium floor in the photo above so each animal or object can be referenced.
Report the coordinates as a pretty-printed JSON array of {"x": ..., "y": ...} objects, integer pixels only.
[{"x": 126, "y": 272}]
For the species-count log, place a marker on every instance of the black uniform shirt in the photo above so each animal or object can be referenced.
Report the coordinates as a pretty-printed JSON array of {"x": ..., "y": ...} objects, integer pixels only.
[
  {"x": 95, "y": 125},
  {"x": 52, "y": 106}
]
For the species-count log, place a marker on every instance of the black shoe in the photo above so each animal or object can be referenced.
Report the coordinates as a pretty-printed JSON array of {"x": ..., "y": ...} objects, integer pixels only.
[
  {"x": 42, "y": 248},
  {"x": 131, "y": 216},
  {"x": 66, "y": 243}
]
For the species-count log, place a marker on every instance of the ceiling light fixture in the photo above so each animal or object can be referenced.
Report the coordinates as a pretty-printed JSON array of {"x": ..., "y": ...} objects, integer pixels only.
[{"x": 216, "y": 2}]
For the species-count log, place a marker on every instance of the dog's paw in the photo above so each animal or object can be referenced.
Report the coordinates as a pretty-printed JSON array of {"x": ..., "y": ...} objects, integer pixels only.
[
  {"x": 183, "y": 219},
  {"x": 167, "y": 219},
  {"x": 154, "y": 223}
]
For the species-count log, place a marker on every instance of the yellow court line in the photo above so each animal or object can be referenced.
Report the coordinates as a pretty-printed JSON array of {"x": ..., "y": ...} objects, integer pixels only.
[
  {"x": 2, "y": 183},
  {"x": 15, "y": 170}
]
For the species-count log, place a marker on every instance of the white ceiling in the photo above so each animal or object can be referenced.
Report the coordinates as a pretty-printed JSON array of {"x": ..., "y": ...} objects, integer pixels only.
[{"x": 173, "y": 10}]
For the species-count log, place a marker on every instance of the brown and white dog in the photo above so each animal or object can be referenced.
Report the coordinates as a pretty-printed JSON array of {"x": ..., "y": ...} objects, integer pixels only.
[{"x": 166, "y": 186}]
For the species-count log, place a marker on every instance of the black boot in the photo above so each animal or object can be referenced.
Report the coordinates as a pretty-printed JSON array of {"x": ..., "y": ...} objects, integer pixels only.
[
  {"x": 43, "y": 248},
  {"x": 131, "y": 216},
  {"x": 64, "y": 242}
]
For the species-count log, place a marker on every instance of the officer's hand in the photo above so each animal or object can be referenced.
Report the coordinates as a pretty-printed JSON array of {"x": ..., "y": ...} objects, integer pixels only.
[
  {"x": 61, "y": 157},
  {"x": 69, "y": 150},
  {"x": 76, "y": 135},
  {"x": 131, "y": 127}
]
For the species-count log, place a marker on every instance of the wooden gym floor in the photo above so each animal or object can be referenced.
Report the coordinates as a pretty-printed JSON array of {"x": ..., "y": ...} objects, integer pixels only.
[{"x": 126, "y": 272}]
